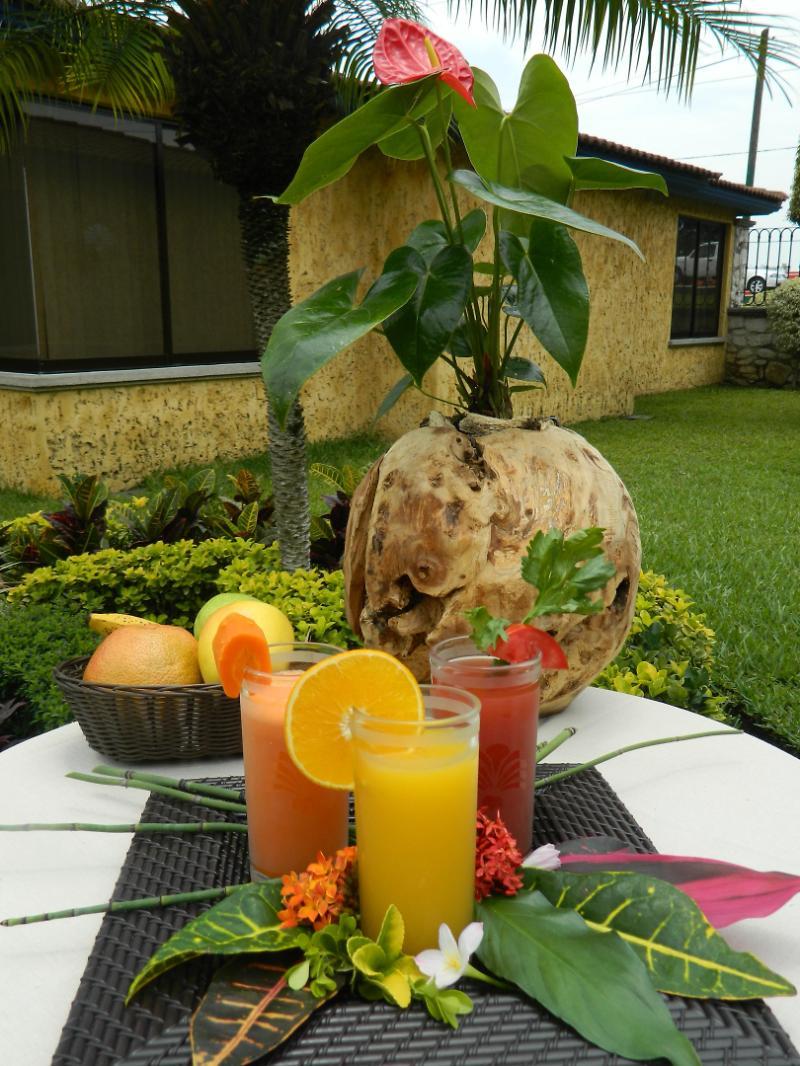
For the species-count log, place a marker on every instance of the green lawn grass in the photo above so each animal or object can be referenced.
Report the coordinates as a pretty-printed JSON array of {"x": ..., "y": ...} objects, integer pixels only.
[{"x": 715, "y": 477}]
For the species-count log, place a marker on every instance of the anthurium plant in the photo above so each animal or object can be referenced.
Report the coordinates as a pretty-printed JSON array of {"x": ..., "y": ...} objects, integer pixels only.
[
  {"x": 590, "y": 930},
  {"x": 466, "y": 285}
]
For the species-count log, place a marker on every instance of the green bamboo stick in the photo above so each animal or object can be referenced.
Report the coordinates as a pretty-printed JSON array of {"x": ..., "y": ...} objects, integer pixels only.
[
  {"x": 112, "y": 907},
  {"x": 173, "y": 793},
  {"x": 137, "y": 827},
  {"x": 630, "y": 747},
  {"x": 199, "y": 787},
  {"x": 549, "y": 746}
]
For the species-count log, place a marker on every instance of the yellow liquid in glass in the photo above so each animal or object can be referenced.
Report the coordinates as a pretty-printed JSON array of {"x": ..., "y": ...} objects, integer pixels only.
[{"x": 415, "y": 825}]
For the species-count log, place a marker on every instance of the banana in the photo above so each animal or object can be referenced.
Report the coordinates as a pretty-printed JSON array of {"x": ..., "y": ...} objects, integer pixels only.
[{"x": 107, "y": 623}]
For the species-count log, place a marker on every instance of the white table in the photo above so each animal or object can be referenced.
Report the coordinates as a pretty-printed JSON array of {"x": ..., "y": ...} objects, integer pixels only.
[{"x": 732, "y": 798}]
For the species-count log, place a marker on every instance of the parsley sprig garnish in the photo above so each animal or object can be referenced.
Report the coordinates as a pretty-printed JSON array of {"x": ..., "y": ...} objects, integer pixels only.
[{"x": 564, "y": 571}]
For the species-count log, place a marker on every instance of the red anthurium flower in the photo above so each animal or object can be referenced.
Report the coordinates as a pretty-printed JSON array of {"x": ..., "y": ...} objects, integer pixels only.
[{"x": 406, "y": 51}]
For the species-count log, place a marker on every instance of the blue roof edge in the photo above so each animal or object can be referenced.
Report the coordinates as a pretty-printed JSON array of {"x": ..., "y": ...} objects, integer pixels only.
[{"x": 696, "y": 187}]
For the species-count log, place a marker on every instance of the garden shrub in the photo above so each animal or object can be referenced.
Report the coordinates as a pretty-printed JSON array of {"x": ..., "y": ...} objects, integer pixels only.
[
  {"x": 163, "y": 582},
  {"x": 668, "y": 655},
  {"x": 783, "y": 313},
  {"x": 35, "y": 638}
]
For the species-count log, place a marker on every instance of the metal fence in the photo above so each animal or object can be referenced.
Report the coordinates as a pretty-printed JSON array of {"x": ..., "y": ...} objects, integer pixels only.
[{"x": 773, "y": 256}]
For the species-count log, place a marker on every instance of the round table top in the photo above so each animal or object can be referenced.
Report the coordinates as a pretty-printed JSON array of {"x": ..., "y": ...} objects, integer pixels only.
[{"x": 734, "y": 798}]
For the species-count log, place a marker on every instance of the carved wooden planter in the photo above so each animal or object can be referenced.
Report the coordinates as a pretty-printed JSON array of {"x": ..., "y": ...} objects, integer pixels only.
[{"x": 442, "y": 520}]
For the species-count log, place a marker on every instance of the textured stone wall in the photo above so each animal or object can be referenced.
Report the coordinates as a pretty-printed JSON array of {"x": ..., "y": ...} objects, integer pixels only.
[
  {"x": 752, "y": 357},
  {"x": 125, "y": 432}
]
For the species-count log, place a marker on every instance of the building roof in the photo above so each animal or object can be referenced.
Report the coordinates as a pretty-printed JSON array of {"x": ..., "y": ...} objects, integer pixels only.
[{"x": 686, "y": 179}]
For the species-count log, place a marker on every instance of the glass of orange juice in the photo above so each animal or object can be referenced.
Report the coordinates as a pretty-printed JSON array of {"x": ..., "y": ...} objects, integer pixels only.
[
  {"x": 289, "y": 818},
  {"x": 416, "y": 788}
]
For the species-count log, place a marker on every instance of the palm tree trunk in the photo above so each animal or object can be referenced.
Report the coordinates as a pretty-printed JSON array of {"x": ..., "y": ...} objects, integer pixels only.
[{"x": 265, "y": 244}]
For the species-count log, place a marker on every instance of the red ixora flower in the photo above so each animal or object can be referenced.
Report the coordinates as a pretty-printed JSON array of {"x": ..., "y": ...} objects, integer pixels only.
[
  {"x": 406, "y": 51},
  {"x": 497, "y": 858},
  {"x": 322, "y": 893}
]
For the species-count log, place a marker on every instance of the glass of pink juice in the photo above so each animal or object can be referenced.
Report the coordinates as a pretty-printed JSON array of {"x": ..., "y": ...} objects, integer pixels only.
[
  {"x": 289, "y": 818},
  {"x": 509, "y": 696}
]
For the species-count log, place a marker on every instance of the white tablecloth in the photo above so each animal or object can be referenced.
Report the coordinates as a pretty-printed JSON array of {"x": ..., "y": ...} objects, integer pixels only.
[{"x": 733, "y": 798}]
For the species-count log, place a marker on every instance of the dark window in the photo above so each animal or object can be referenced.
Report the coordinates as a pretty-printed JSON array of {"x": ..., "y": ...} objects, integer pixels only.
[
  {"x": 117, "y": 248},
  {"x": 699, "y": 268}
]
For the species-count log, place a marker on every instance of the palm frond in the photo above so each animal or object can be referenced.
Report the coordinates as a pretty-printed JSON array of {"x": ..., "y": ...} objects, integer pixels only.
[
  {"x": 660, "y": 37},
  {"x": 117, "y": 60},
  {"x": 27, "y": 62}
]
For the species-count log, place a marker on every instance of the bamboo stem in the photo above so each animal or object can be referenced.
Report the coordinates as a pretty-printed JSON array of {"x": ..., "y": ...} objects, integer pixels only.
[
  {"x": 112, "y": 907},
  {"x": 549, "y": 746},
  {"x": 173, "y": 793},
  {"x": 236, "y": 795},
  {"x": 630, "y": 747},
  {"x": 137, "y": 827}
]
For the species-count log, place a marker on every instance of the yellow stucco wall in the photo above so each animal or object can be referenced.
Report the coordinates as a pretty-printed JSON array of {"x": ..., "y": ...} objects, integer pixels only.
[{"x": 124, "y": 432}]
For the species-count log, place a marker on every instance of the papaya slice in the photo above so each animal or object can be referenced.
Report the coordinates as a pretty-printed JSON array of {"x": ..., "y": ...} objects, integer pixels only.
[{"x": 239, "y": 644}]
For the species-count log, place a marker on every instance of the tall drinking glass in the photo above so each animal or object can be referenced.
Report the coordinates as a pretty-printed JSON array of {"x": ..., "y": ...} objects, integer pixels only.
[
  {"x": 509, "y": 696},
  {"x": 289, "y": 818},
  {"x": 416, "y": 803}
]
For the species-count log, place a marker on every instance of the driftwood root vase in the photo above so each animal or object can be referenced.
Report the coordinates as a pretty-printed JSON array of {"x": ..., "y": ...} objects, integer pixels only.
[{"x": 441, "y": 522}]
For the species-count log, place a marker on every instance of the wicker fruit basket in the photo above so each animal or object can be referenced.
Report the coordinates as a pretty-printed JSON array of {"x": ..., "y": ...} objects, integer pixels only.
[{"x": 147, "y": 723}]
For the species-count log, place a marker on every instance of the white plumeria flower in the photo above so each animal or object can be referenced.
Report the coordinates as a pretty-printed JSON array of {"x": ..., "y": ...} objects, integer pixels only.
[
  {"x": 547, "y": 857},
  {"x": 448, "y": 964}
]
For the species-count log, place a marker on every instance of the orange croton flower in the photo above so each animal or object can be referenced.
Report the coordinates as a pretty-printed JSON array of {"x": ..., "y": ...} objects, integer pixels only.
[{"x": 322, "y": 893}]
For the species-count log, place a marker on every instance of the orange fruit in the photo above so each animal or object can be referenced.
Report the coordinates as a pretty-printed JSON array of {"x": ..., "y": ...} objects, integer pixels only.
[
  {"x": 239, "y": 643},
  {"x": 322, "y": 702},
  {"x": 145, "y": 655}
]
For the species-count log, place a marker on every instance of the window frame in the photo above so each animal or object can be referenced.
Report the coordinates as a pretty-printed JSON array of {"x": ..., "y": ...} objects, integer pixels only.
[{"x": 700, "y": 240}]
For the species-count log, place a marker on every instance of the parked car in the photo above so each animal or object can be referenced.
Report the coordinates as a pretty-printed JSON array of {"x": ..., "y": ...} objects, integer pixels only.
[
  {"x": 769, "y": 278},
  {"x": 706, "y": 256}
]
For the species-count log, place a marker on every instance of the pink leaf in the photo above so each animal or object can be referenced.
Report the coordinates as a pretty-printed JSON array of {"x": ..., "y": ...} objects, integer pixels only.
[
  {"x": 726, "y": 893},
  {"x": 406, "y": 51}
]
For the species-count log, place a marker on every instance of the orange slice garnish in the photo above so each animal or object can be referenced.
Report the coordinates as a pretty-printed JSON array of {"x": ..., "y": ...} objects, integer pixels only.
[
  {"x": 324, "y": 698},
  {"x": 239, "y": 644}
]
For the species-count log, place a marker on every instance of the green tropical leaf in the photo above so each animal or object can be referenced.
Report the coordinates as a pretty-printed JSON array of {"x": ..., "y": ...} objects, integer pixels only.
[
  {"x": 245, "y": 921},
  {"x": 428, "y": 238},
  {"x": 529, "y": 203},
  {"x": 419, "y": 331},
  {"x": 393, "y": 395},
  {"x": 324, "y": 324},
  {"x": 523, "y": 370},
  {"x": 592, "y": 981},
  {"x": 525, "y": 148},
  {"x": 333, "y": 154},
  {"x": 684, "y": 954},
  {"x": 551, "y": 292},
  {"x": 248, "y": 1010},
  {"x": 590, "y": 173},
  {"x": 406, "y": 144}
]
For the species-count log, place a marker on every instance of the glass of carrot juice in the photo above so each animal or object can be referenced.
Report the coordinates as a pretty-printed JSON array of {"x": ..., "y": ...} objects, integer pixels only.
[
  {"x": 416, "y": 803},
  {"x": 509, "y": 697},
  {"x": 289, "y": 818}
]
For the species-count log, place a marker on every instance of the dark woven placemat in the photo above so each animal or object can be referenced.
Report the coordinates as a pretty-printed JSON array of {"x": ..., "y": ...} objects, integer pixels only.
[{"x": 503, "y": 1030}]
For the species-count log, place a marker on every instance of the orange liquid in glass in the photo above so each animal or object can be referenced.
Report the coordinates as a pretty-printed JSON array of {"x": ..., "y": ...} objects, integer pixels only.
[{"x": 289, "y": 818}]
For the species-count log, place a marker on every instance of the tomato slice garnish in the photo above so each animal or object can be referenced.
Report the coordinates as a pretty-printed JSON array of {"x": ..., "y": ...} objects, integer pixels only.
[{"x": 524, "y": 642}]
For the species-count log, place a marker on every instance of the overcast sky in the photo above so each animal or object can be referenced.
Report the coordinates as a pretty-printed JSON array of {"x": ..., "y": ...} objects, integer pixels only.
[{"x": 712, "y": 130}]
